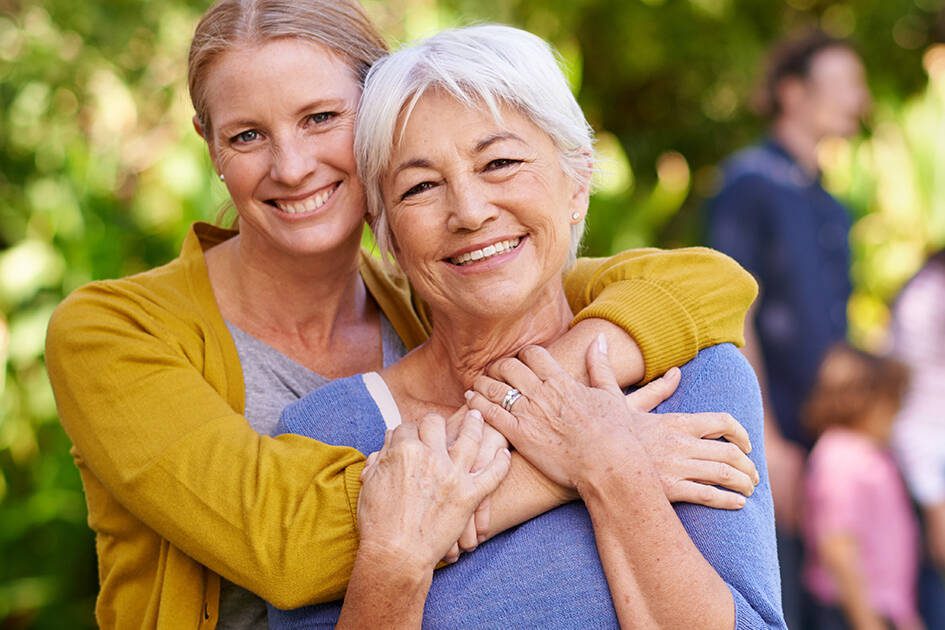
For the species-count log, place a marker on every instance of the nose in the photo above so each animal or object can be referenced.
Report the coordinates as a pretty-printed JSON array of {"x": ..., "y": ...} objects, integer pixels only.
[
  {"x": 470, "y": 208},
  {"x": 293, "y": 160}
]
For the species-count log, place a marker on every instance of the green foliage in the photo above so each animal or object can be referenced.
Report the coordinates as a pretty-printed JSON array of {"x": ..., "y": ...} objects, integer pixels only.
[{"x": 101, "y": 172}]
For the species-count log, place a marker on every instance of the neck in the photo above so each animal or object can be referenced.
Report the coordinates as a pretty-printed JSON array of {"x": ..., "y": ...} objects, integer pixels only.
[
  {"x": 799, "y": 141},
  {"x": 279, "y": 293},
  {"x": 467, "y": 345}
]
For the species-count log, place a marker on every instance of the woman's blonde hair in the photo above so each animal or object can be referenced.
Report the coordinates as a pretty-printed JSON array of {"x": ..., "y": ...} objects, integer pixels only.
[
  {"x": 850, "y": 383},
  {"x": 341, "y": 26}
]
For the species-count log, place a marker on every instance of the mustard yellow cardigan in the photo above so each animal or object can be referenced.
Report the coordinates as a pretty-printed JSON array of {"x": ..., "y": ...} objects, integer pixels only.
[{"x": 181, "y": 490}]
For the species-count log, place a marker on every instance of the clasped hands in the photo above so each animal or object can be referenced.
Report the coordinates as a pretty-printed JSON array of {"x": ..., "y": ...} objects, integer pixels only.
[{"x": 426, "y": 492}]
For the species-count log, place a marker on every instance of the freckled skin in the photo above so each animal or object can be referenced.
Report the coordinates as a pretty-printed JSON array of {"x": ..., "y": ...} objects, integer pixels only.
[{"x": 276, "y": 137}]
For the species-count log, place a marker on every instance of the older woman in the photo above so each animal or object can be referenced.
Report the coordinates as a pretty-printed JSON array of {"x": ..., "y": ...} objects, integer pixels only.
[
  {"x": 477, "y": 161},
  {"x": 168, "y": 382}
]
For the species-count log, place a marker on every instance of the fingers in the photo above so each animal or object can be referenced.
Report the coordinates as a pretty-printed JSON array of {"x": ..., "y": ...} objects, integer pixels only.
[
  {"x": 489, "y": 478},
  {"x": 491, "y": 442},
  {"x": 730, "y": 455},
  {"x": 452, "y": 555},
  {"x": 406, "y": 432},
  {"x": 599, "y": 372},
  {"x": 466, "y": 448},
  {"x": 720, "y": 474},
  {"x": 692, "y": 492},
  {"x": 431, "y": 431},
  {"x": 483, "y": 519},
  {"x": 514, "y": 373},
  {"x": 488, "y": 405},
  {"x": 655, "y": 392},
  {"x": 469, "y": 539},
  {"x": 723, "y": 425},
  {"x": 540, "y": 362}
]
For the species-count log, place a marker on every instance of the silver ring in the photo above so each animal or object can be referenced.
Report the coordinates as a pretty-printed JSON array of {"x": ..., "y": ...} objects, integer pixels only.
[{"x": 510, "y": 397}]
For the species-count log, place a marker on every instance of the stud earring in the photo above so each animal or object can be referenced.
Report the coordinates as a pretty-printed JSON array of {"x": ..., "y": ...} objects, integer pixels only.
[
  {"x": 575, "y": 216},
  {"x": 221, "y": 177}
]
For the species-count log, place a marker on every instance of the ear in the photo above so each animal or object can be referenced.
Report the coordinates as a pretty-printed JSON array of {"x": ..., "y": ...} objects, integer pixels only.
[
  {"x": 203, "y": 134},
  {"x": 581, "y": 193},
  {"x": 198, "y": 128}
]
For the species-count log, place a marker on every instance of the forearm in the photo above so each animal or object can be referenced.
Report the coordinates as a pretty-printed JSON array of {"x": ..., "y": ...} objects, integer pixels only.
[
  {"x": 167, "y": 446},
  {"x": 657, "y": 576},
  {"x": 385, "y": 591},
  {"x": 524, "y": 494},
  {"x": 570, "y": 350},
  {"x": 673, "y": 303}
]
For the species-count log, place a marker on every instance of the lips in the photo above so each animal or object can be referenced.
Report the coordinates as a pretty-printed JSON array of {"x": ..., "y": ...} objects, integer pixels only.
[
  {"x": 310, "y": 203},
  {"x": 484, "y": 253}
]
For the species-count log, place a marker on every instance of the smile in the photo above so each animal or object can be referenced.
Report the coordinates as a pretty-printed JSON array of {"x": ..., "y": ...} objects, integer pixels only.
[
  {"x": 486, "y": 252},
  {"x": 309, "y": 204}
]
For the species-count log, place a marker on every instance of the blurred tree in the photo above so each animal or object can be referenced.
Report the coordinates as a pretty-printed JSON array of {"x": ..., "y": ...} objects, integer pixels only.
[{"x": 100, "y": 172}]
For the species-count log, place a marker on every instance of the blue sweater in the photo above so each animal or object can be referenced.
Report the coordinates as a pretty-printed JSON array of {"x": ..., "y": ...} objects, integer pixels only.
[{"x": 546, "y": 573}]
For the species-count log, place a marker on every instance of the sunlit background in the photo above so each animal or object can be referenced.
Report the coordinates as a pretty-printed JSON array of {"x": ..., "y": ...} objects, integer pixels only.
[{"x": 101, "y": 173}]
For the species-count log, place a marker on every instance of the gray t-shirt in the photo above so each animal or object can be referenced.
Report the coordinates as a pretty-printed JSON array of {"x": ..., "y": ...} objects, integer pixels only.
[{"x": 273, "y": 381}]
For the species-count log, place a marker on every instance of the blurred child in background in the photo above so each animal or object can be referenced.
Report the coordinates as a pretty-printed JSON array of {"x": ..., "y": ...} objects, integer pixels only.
[{"x": 859, "y": 527}]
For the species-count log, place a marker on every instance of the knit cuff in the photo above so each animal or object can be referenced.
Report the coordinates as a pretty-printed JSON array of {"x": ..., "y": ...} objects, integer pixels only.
[
  {"x": 353, "y": 489},
  {"x": 659, "y": 323}
]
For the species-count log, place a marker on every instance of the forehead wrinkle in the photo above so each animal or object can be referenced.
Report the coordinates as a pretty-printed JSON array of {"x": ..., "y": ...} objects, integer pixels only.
[{"x": 491, "y": 139}]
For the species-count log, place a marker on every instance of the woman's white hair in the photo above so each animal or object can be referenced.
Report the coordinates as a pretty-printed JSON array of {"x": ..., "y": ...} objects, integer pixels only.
[{"x": 489, "y": 65}]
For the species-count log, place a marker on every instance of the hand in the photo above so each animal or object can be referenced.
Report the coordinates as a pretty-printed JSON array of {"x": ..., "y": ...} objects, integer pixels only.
[
  {"x": 685, "y": 451},
  {"x": 417, "y": 495},
  {"x": 571, "y": 432},
  {"x": 479, "y": 525},
  {"x": 785, "y": 472}
]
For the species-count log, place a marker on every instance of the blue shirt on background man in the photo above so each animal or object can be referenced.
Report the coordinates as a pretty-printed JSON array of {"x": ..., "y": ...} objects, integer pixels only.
[{"x": 778, "y": 222}]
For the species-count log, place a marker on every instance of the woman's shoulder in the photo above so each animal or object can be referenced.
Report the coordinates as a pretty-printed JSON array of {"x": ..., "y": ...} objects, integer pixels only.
[
  {"x": 718, "y": 379},
  {"x": 719, "y": 368},
  {"x": 336, "y": 413},
  {"x": 176, "y": 290}
]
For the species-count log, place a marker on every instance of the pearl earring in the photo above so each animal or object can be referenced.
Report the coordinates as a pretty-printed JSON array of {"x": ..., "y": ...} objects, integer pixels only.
[
  {"x": 221, "y": 177},
  {"x": 575, "y": 216}
]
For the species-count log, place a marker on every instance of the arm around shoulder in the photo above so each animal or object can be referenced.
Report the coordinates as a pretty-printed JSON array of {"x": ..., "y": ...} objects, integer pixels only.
[
  {"x": 672, "y": 302},
  {"x": 149, "y": 400}
]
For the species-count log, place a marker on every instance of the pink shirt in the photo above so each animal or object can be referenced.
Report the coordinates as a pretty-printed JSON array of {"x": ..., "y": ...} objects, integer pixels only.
[{"x": 853, "y": 486}]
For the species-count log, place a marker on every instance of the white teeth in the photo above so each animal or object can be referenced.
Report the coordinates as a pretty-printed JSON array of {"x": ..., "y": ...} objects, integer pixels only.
[
  {"x": 309, "y": 204},
  {"x": 486, "y": 252}
]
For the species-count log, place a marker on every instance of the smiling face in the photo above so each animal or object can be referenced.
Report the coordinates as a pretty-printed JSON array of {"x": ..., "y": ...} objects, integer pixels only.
[
  {"x": 282, "y": 116},
  {"x": 480, "y": 210}
]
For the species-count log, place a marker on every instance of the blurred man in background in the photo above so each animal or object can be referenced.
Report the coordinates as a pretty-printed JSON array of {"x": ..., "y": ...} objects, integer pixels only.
[{"x": 774, "y": 217}]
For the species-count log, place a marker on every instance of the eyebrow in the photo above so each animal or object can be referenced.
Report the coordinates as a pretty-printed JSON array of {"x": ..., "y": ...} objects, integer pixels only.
[
  {"x": 485, "y": 143},
  {"x": 481, "y": 146}
]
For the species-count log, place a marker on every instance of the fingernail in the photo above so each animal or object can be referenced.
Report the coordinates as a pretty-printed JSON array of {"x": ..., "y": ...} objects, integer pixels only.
[
  {"x": 475, "y": 414},
  {"x": 602, "y": 343},
  {"x": 507, "y": 452},
  {"x": 741, "y": 501},
  {"x": 468, "y": 394}
]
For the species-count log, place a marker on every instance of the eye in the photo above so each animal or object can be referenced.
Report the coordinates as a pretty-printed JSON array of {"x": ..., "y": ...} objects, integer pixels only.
[
  {"x": 245, "y": 137},
  {"x": 501, "y": 163},
  {"x": 417, "y": 189},
  {"x": 321, "y": 118}
]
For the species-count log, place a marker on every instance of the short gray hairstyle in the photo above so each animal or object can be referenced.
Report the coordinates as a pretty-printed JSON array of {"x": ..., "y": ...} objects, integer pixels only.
[{"x": 487, "y": 64}]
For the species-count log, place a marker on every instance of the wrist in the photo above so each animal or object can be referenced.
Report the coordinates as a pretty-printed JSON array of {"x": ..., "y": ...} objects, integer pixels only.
[
  {"x": 623, "y": 471},
  {"x": 390, "y": 560}
]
